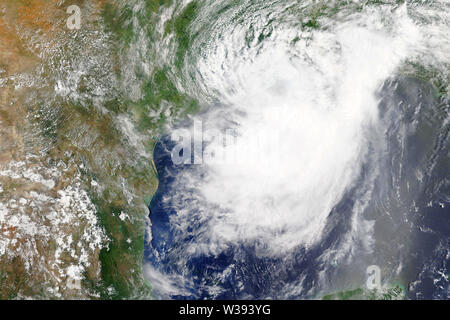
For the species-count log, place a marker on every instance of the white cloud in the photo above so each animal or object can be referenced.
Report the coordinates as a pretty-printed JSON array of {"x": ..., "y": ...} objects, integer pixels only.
[{"x": 304, "y": 124}]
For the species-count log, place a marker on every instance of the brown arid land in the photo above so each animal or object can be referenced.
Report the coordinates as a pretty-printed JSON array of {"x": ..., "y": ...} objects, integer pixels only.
[{"x": 72, "y": 210}]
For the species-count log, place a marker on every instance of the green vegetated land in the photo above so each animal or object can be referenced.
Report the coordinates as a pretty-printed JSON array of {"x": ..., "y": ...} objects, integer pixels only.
[
  {"x": 122, "y": 261},
  {"x": 93, "y": 137},
  {"x": 395, "y": 292}
]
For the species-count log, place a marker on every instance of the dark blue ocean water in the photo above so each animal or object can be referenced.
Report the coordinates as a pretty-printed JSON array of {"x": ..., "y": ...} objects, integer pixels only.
[
  {"x": 249, "y": 275},
  {"x": 412, "y": 220}
]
